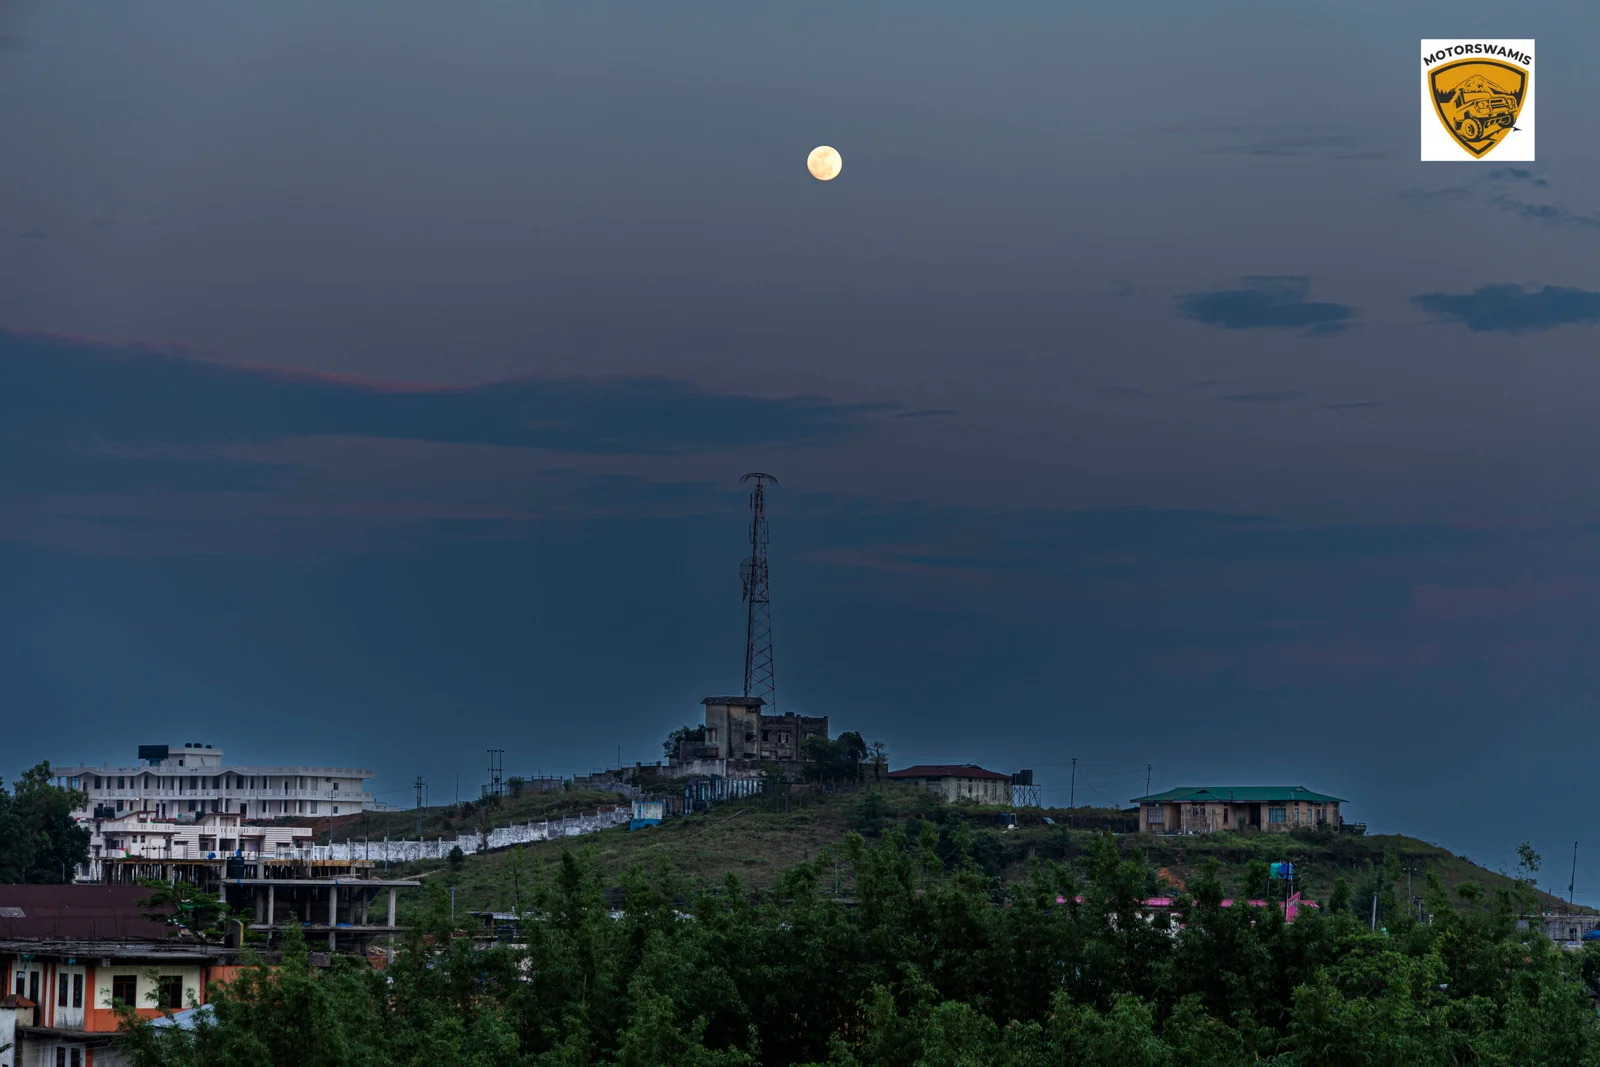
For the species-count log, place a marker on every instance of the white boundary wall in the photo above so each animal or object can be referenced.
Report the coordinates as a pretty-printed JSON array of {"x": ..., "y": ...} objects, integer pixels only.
[{"x": 500, "y": 837}]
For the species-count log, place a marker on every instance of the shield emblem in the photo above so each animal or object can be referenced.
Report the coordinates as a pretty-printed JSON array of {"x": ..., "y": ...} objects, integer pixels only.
[{"x": 1478, "y": 101}]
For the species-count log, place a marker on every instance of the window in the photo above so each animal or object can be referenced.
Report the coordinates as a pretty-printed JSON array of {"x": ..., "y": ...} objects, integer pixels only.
[
  {"x": 313, "y": 807},
  {"x": 20, "y": 986},
  {"x": 119, "y": 783},
  {"x": 169, "y": 991},
  {"x": 1224, "y": 816},
  {"x": 77, "y": 991},
  {"x": 61, "y": 1057},
  {"x": 97, "y": 781},
  {"x": 1277, "y": 815},
  {"x": 125, "y": 987},
  {"x": 336, "y": 809},
  {"x": 61, "y": 1001},
  {"x": 119, "y": 805},
  {"x": 77, "y": 1057}
]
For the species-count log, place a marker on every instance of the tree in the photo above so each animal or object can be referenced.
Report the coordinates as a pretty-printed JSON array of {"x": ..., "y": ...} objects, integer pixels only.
[
  {"x": 693, "y": 734},
  {"x": 183, "y": 905},
  {"x": 1527, "y": 863},
  {"x": 838, "y": 760},
  {"x": 456, "y": 858},
  {"x": 40, "y": 843},
  {"x": 880, "y": 762}
]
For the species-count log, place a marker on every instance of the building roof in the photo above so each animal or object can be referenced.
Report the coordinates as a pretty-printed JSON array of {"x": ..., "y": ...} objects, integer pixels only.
[
  {"x": 747, "y": 702},
  {"x": 1237, "y": 794},
  {"x": 947, "y": 770},
  {"x": 76, "y": 913},
  {"x": 170, "y": 951}
]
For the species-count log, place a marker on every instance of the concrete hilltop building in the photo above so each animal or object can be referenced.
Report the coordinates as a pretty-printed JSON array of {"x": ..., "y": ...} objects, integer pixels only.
[
  {"x": 1267, "y": 808},
  {"x": 958, "y": 781},
  {"x": 736, "y": 732},
  {"x": 184, "y": 782}
]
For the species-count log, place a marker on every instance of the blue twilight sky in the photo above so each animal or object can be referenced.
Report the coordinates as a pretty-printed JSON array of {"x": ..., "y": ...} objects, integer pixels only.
[{"x": 375, "y": 379}]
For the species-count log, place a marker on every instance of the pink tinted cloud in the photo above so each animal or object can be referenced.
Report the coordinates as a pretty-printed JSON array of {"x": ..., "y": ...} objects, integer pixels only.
[{"x": 1456, "y": 603}]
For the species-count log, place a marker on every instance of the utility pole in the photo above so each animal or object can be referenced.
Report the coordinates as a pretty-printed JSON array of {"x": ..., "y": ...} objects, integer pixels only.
[
  {"x": 1072, "y": 795},
  {"x": 1374, "y": 911},
  {"x": 419, "y": 785},
  {"x": 1147, "y": 779},
  {"x": 1573, "y": 880}
]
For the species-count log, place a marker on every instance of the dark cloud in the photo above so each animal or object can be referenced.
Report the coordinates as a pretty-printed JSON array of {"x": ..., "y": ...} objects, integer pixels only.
[
  {"x": 1276, "y": 302},
  {"x": 1554, "y": 214},
  {"x": 926, "y": 413},
  {"x": 1519, "y": 174},
  {"x": 1513, "y": 309},
  {"x": 33, "y": 467},
  {"x": 1427, "y": 201},
  {"x": 63, "y": 391},
  {"x": 1262, "y": 398}
]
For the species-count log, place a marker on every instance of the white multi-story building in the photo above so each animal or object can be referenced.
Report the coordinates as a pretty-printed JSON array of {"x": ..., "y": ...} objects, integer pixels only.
[
  {"x": 183, "y": 782},
  {"x": 138, "y": 835}
]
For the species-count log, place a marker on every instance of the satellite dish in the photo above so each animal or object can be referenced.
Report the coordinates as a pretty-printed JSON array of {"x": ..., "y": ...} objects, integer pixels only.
[{"x": 746, "y": 568}]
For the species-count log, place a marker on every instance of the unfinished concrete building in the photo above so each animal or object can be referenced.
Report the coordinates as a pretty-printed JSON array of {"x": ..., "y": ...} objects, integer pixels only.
[{"x": 736, "y": 732}]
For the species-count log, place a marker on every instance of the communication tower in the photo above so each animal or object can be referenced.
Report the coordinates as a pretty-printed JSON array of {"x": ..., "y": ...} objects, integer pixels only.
[{"x": 758, "y": 673}]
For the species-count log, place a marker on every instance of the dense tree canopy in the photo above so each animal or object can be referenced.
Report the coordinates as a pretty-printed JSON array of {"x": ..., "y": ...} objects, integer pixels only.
[
  {"x": 39, "y": 841},
  {"x": 692, "y": 734},
  {"x": 835, "y": 760},
  {"x": 932, "y": 965}
]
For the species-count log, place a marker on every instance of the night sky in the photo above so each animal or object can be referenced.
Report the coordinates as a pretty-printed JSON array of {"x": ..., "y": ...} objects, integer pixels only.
[{"x": 376, "y": 379}]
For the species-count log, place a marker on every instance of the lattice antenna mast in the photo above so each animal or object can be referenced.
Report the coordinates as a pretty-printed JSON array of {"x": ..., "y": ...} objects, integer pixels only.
[
  {"x": 758, "y": 675},
  {"x": 496, "y": 777}
]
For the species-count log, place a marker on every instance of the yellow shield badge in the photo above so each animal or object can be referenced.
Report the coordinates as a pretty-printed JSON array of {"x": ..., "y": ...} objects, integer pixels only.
[{"x": 1478, "y": 101}]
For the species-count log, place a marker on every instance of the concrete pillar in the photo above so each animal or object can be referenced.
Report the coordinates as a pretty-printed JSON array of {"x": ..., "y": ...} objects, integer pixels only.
[
  {"x": 333, "y": 914},
  {"x": 391, "y": 905},
  {"x": 366, "y": 898},
  {"x": 271, "y": 892}
]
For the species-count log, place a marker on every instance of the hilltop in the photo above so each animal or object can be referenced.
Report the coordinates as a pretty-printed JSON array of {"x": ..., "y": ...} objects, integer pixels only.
[{"x": 758, "y": 845}]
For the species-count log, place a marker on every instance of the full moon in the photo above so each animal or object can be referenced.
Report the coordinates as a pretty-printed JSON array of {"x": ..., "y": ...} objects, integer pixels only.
[{"x": 824, "y": 163}]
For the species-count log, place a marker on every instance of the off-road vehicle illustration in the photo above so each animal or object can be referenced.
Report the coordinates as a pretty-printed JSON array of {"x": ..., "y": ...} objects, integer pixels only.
[{"x": 1476, "y": 114}]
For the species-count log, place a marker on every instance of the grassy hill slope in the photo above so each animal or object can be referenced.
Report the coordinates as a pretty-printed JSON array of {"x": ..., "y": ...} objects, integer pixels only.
[{"x": 759, "y": 845}]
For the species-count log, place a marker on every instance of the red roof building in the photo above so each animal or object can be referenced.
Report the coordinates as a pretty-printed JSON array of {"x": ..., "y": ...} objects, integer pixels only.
[{"x": 958, "y": 781}]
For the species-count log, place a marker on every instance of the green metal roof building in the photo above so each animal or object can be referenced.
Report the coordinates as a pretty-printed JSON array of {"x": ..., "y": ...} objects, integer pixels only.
[{"x": 1267, "y": 808}]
